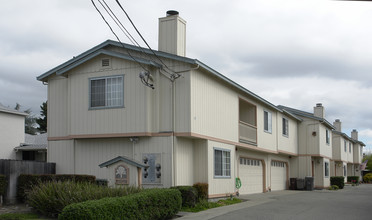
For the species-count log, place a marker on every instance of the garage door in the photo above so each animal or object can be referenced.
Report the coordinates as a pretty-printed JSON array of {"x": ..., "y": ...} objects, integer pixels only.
[
  {"x": 278, "y": 175},
  {"x": 251, "y": 176}
]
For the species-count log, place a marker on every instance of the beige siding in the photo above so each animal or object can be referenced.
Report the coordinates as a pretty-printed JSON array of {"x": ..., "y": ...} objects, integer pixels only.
[
  {"x": 214, "y": 108},
  {"x": 220, "y": 186},
  {"x": 62, "y": 153},
  {"x": 182, "y": 103},
  {"x": 309, "y": 137},
  {"x": 12, "y": 134},
  {"x": 58, "y": 107},
  {"x": 336, "y": 147},
  {"x": 90, "y": 153},
  {"x": 131, "y": 118},
  {"x": 287, "y": 143},
  {"x": 324, "y": 148},
  {"x": 184, "y": 161},
  {"x": 200, "y": 161},
  {"x": 265, "y": 139}
]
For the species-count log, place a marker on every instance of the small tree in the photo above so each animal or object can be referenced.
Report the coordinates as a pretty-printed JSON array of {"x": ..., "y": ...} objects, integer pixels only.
[
  {"x": 42, "y": 121},
  {"x": 30, "y": 120}
]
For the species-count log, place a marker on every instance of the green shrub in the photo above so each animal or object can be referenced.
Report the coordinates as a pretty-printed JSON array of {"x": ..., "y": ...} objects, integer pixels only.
[
  {"x": 338, "y": 181},
  {"x": 3, "y": 185},
  {"x": 333, "y": 187},
  {"x": 367, "y": 178},
  {"x": 353, "y": 179},
  {"x": 51, "y": 197},
  {"x": 202, "y": 189},
  {"x": 189, "y": 195},
  {"x": 102, "y": 182},
  {"x": 18, "y": 216},
  {"x": 148, "y": 204},
  {"x": 27, "y": 181}
]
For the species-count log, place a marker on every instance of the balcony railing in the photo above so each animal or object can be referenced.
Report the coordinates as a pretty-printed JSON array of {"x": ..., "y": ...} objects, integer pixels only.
[{"x": 247, "y": 133}]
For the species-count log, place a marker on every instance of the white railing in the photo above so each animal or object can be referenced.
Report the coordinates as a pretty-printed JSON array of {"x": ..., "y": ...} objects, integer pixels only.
[{"x": 247, "y": 132}]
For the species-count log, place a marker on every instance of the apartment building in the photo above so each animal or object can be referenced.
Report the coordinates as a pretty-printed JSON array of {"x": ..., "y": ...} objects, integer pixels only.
[{"x": 159, "y": 119}]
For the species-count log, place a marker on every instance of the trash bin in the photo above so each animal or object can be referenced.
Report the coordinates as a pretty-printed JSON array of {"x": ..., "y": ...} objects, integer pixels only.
[
  {"x": 293, "y": 183},
  {"x": 309, "y": 183},
  {"x": 300, "y": 184}
]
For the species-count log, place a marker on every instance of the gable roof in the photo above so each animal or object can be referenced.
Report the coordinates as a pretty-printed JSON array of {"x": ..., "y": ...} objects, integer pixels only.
[
  {"x": 123, "y": 159},
  {"x": 34, "y": 143},
  {"x": 306, "y": 115},
  {"x": 99, "y": 49}
]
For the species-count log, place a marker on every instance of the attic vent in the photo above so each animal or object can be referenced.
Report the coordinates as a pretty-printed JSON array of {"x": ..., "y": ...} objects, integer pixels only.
[{"x": 106, "y": 62}]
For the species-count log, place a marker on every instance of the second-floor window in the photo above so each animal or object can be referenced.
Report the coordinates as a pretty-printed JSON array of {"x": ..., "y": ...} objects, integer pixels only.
[
  {"x": 327, "y": 136},
  {"x": 345, "y": 146},
  {"x": 106, "y": 92},
  {"x": 349, "y": 147},
  {"x": 285, "y": 127},
  {"x": 267, "y": 121}
]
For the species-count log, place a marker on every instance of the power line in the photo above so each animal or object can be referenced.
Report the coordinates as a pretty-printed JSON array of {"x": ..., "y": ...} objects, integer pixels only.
[
  {"x": 173, "y": 74},
  {"x": 143, "y": 67},
  {"x": 123, "y": 29}
]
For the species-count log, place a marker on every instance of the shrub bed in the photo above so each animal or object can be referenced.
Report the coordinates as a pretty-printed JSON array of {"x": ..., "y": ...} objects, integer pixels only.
[
  {"x": 27, "y": 181},
  {"x": 51, "y": 197},
  {"x": 202, "y": 189},
  {"x": 353, "y": 179},
  {"x": 3, "y": 185},
  {"x": 148, "y": 204},
  {"x": 367, "y": 178},
  {"x": 338, "y": 181},
  {"x": 189, "y": 195}
]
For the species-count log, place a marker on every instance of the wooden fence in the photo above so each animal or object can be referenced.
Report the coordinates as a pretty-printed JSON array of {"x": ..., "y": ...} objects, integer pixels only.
[{"x": 13, "y": 168}]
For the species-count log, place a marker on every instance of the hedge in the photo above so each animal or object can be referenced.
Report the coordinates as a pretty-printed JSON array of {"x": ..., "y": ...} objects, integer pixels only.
[
  {"x": 26, "y": 181},
  {"x": 367, "y": 178},
  {"x": 353, "y": 179},
  {"x": 202, "y": 189},
  {"x": 3, "y": 185},
  {"x": 148, "y": 204},
  {"x": 51, "y": 198},
  {"x": 189, "y": 195},
  {"x": 338, "y": 181}
]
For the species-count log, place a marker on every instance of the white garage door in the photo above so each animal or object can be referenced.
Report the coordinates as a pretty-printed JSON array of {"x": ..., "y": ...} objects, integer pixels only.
[
  {"x": 251, "y": 176},
  {"x": 278, "y": 175}
]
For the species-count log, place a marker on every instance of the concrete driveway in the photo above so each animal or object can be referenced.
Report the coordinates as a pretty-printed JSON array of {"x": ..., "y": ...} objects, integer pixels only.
[{"x": 348, "y": 203}]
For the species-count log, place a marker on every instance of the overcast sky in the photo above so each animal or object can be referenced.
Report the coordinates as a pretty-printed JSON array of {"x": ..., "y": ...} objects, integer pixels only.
[{"x": 293, "y": 53}]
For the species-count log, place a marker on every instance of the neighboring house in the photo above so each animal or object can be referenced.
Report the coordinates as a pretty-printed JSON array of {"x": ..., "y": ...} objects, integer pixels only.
[
  {"x": 315, "y": 146},
  {"x": 12, "y": 131},
  {"x": 33, "y": 148},
  {"x": 196, "y": 125}
]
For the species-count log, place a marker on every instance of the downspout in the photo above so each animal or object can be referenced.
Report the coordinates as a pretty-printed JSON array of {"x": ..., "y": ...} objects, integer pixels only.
[{"x": 173, "y": 100}]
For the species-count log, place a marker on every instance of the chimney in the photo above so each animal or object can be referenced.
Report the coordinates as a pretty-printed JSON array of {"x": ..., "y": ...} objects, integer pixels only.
[
  {"x": 354, "y": 134},
  {"x": 319, "y": 110},
  {"x": 172, "y": 34},
  {"x": 337, "y": 124}
]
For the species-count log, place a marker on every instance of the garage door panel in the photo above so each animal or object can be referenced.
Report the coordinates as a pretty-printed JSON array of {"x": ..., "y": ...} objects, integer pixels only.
[
  {"x": 251, "y": 176},
  {"x": 278, "y": 176}
]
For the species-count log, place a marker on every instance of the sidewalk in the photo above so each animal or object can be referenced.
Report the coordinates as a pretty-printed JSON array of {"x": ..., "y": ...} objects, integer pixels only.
[{"x": 251, "y": 200}]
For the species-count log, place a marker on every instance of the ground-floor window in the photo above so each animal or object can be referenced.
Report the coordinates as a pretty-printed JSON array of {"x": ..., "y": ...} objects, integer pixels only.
[
  {"x": 222, "y": 164},
  {"x": 326, "y": 169}
]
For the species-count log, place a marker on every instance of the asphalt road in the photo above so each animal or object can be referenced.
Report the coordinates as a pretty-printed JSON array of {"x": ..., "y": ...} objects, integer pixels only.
[{"x": 348, "y": 203}]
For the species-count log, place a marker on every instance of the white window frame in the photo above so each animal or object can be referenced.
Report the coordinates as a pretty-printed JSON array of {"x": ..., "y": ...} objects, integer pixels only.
[
  {"x": 327, "y": 137},
  {"x": 225, "y": 165},
  {"x": 285, "y": 127},
  {"x": 345, "y": 146},
  {"x": 268, "y": 122},
  {"x": 107, "y": 93},
  {"x": 326, "y": 169}
]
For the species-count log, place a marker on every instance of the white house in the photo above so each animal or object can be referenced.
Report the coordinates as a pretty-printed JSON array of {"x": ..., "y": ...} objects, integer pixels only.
[
  {"x": 12, "y": 131},
  {"x": 117, "y": 108}
]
